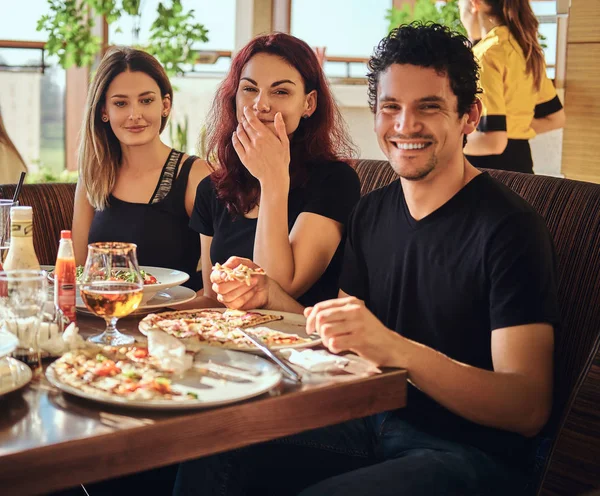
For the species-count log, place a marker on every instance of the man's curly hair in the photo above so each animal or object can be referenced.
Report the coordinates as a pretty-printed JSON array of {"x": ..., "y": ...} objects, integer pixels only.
[{"x": 428, "y": 45}]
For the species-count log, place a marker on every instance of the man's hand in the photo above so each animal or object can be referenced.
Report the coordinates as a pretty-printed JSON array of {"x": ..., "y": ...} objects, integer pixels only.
[
  {"x": 237, "y": 294},
  {"x": 346, "y": 324}
]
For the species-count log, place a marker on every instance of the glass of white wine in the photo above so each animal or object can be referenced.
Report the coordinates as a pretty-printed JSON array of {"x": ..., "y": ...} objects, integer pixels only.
[{"x": 111, "y": 287}]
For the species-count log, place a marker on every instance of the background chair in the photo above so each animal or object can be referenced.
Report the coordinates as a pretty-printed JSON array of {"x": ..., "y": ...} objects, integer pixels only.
[{"x": 52, "y": 212}]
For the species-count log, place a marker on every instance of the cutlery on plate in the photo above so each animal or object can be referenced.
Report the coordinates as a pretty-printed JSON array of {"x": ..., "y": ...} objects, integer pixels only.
[{"x": 287, "y": 370}]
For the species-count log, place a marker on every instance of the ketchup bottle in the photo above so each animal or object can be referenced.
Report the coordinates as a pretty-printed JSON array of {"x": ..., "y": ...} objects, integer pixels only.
[{"x": 65, "y": 276}]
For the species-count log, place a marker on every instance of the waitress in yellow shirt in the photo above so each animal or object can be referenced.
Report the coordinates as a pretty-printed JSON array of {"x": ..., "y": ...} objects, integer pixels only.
[{"x": 519, "y": 101}]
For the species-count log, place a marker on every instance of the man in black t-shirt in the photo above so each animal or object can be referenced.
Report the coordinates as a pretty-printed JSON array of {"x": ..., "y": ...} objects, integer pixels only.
[{"x": 447, "y": 274}]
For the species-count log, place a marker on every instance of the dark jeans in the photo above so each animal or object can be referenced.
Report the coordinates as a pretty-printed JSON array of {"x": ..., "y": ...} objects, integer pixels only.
[{"x": 376, "y": 456}]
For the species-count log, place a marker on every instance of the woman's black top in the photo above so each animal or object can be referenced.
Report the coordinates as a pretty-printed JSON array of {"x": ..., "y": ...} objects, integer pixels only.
[
  {"x": 331, "y": 190},
  {"x": 159, "y": 228}
]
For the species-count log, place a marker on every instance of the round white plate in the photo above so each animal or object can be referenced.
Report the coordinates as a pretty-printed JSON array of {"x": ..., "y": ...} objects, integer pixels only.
[
  {"x": 13, "y": 375},
  {"x": 218, "y": 377},
  {"x": 167, "y": 278},
  {"x": 162, "y": 299},
  {"x": 292, "y": 323},
  {"x": 8, "y": 342}
]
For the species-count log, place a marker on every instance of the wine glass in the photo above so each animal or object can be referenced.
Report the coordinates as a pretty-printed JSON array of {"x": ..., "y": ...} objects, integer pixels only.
[{"x": 111, "y": 287}]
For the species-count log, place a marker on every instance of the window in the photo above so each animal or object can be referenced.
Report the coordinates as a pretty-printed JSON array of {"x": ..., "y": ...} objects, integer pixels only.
[
  {"x": 347, "y": 28},
  {"x": 546, "y": 14},
  {"x": 32, "y": 103},
  {"x": 219, "y": 20}
]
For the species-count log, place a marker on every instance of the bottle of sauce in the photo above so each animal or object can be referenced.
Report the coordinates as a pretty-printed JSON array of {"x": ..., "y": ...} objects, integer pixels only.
[
  {"x": 65, "y": 277},
  {"x": 21, "y": 254}
]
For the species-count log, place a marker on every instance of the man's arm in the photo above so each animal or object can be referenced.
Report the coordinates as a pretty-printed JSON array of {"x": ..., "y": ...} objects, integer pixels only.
[{"x": 515, "y": 396}]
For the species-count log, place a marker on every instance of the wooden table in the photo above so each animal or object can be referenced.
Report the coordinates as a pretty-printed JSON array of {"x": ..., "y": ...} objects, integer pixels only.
[{"x": 51, "y": 441}]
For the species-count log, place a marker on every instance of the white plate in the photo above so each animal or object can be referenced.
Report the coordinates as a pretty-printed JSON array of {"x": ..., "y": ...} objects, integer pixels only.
[
  {"x": 167, "y": 278},
  {"x": 162, "y": 299},
  {"x": 292, "y": 323},
  {"x": 13, "y": 375},
  {"x": 244, "y": 376},
  {"x": 8, "y": 342}
]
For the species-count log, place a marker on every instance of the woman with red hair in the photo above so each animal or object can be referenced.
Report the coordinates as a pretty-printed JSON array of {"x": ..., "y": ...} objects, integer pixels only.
[{"x": 280, "y": 193}]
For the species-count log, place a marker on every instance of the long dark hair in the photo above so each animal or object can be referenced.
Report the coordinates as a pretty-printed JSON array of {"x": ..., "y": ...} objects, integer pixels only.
[
  {"x": 320, "y": 138},
  {"x": 518, "y": 16}
]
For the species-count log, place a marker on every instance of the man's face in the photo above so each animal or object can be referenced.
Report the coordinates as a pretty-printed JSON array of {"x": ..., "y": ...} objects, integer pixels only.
[{"x": 416, "y": 120}]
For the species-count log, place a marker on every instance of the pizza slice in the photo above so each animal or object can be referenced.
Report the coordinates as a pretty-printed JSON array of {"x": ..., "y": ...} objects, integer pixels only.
[
  {"x": 241, "y": 273},
  {"x": 118, "y": 373}
]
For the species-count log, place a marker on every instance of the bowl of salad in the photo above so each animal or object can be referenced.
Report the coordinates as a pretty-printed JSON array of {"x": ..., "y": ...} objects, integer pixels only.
[{"x": 155, "y": 279}]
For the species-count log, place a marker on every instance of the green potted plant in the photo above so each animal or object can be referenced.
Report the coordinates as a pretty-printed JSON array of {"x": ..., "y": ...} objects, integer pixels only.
[
  {"x": 426, "y": 11},
  {"x": 70, "y": 25}
]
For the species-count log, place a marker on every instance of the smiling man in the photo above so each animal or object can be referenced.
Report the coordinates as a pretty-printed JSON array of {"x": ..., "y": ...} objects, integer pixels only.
[{"x": 448, "y": 274}]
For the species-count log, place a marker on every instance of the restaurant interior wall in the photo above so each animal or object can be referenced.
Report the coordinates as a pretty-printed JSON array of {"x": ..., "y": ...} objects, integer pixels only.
[{"x": 582, "y": 106}]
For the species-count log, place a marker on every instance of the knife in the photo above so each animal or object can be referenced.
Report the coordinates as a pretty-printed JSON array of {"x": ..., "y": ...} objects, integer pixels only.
[{"x": 282, "y": 365}]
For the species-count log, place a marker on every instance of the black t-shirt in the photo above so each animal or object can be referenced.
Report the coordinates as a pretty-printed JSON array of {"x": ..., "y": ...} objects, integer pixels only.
[
  {"x": 482, "y": 261},
  {"x": 160, "y": 227},
  {"x": 332, "y": 190}
]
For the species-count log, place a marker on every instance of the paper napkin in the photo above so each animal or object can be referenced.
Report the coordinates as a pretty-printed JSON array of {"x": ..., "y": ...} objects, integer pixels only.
[
  {"x": 170, "y": 351},
  {"x": 323, "y": 361}
]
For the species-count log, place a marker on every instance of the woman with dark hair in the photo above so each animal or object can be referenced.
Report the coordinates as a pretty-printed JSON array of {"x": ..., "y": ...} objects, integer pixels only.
[
  {"x": 280, "y": 194},
  {"x": 133, "y": 187},
  {"x": 519, "y": 101}
]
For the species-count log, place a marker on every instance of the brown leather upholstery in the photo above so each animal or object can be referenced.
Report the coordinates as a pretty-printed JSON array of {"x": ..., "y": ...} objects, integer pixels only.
[
  {"x": 572, "y": 213},
  {"x": 52, "y": 212}
]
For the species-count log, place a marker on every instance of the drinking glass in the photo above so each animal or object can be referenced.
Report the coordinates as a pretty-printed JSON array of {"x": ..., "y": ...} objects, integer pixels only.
[
  {"x": 5, "y": 206},
  {"x": 111, "y": 287},
  {"x": 22, "y": 297}
]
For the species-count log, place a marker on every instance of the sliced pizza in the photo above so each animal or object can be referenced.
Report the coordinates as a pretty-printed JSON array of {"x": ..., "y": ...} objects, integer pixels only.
[
  {"x": 241, "y": 273},
  {"x": 196, "y": 328},
  {"x": 118, "y": 373}
]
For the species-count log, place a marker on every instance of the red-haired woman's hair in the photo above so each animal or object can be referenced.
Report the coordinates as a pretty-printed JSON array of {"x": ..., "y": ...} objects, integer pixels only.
[{"x": 320, "y": 138}]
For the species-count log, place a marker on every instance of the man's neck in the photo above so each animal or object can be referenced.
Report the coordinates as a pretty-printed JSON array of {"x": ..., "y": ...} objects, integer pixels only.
[{"x": 427, "y": 195}]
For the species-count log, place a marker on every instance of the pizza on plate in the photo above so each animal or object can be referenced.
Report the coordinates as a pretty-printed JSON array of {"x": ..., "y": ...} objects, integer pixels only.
[
  {"x": 127, "y": 372},
  {"x": 219, "y": 328}
]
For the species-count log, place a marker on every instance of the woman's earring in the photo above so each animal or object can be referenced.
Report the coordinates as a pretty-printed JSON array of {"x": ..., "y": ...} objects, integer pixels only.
[
  {"x": 305, "y": 116},
  {"x": 165, "y": 113},
  {"x": 105, "y": 118}
]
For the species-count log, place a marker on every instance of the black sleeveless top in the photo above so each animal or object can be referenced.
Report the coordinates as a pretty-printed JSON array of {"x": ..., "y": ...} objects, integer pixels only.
[{"x": 159, "y": 228}]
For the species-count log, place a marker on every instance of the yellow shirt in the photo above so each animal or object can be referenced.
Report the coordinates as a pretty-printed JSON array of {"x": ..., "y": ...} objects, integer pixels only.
[{"x": 510, "y": 100}]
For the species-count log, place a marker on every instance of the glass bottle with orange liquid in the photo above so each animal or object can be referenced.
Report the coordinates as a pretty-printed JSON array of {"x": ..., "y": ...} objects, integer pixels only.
[{"x": 65, "y": 279}]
